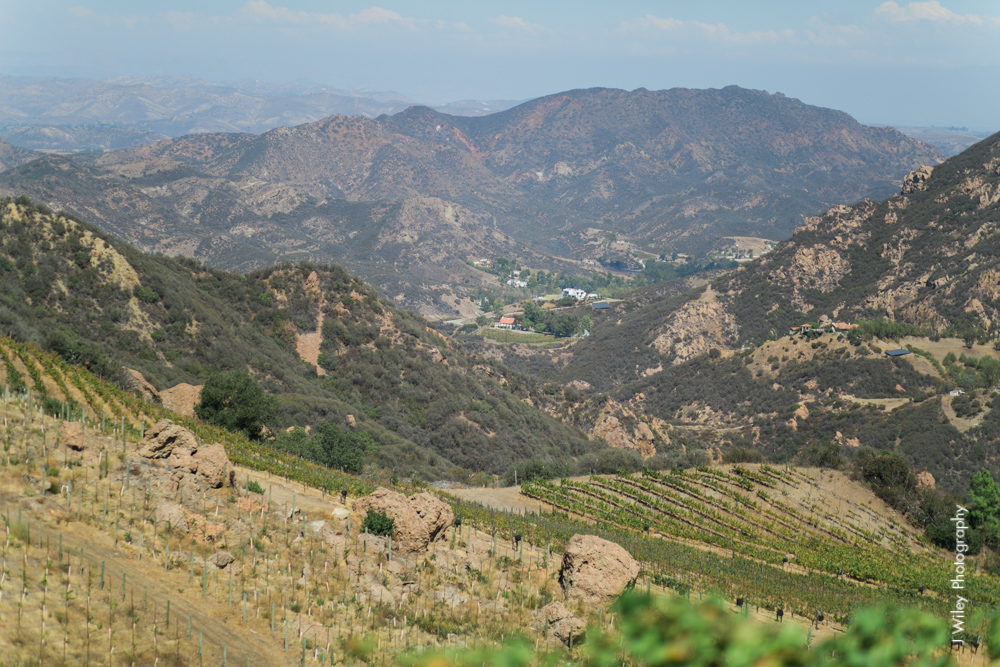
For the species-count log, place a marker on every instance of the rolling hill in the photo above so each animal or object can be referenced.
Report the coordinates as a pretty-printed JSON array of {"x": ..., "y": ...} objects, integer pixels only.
[{"x": 428, "y": 405}]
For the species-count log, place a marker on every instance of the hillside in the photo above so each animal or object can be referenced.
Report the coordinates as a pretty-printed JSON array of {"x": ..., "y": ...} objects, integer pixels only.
[
  {"x": 427, "y": 404},
  {"x": 709, "y": 368},
  {"x": 114, "y": 553},
  {"x": 543, "y": 183}
]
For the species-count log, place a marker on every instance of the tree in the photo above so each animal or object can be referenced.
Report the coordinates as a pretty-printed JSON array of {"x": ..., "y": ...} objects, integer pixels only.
[
  {"x": 236, "y": 402},
  {"x": 984, "y": 505},
  {"x": 342, "y": 449},
  {"x": 969, "y": 337},
  {"x": 585, "y": 323},
  {"x": 482, "y": 321}
]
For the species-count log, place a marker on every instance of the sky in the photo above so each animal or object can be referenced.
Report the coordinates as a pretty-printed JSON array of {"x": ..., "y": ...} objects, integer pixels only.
[{"x": 884, "y": 61}]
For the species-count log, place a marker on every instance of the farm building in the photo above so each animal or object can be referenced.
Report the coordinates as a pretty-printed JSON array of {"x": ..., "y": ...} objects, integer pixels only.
[
  {"x": 897, "y": 353},
  {"x": 505, "y": 322}
]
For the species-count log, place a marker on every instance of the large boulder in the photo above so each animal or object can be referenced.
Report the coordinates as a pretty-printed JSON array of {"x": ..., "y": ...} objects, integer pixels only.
[
  {"x": 212, "y": 465},
  {"x": 596, "y": 570},
  {"x": 410, "y": 533},
  {"x": 164, "y": 437},
  {"x": 435, "y": 513},
  {"x": 192, "y": 463},
  {"x": 564, "y": 626},
  {"x": 71, "y": 434},
  {"x": 140, "y": 385}
]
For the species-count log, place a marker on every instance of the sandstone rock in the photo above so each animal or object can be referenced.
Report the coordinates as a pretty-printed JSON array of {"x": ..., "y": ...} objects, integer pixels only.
[
  {"x": 596, "y": 570},
  {"x": 171, "y": 514},
  {"x": 351, "y": 421},
  {"x": 340, "y": 513},
  {"x": 221, "y": 559},
  {"x": 925, "y": 480},
  {"x": 563, "y": 625},
  {"x": 71, "y": 434},
  {"x": 163, "y": 437},
  {"x": 410, "y": 532},
  {"x": 212, "y": 465},
  {"x": 451, "y": 596},
  {"x": 436, "y": 514},
  {"x": 141, "y": 386},
  {"x": 314, "y": 528},
  {"x": 916, "y": 180},
  {"x": 182, "y": 398},
  {"x": 379, "y": 594}
]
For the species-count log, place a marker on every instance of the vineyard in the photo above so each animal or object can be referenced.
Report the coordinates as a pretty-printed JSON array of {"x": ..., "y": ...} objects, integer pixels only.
[{"x": 767, "y": 535}]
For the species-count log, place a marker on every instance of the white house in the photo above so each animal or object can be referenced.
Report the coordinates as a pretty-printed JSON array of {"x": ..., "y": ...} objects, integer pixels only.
[
  {"x": 577, "y": 294},
  {"x": 514, "y": 282}
]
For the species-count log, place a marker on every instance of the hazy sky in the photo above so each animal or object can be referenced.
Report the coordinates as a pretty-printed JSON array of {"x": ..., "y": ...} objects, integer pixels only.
[{"x": 893, "y": 62}]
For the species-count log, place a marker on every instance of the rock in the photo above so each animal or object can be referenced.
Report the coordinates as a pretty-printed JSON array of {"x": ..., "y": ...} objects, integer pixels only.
[
  {"x": 350, "y": 421},
  {"x": 314, "y": 529},
  {"x": 596, "y": 570},
  {"x": 436, "y": 514},
  {"x": 451, "y": 596},
  {"x": 221, "y": 559},
  {"x": 212, "y": 465},
  {"x": 563, "y": 625},
  {"x": 409, "y": 531},
  {"x": 140, "y": 385},
  {"x": 379, "y": 594},
  {"x": 171, "y": 514},
  {"x": 71, "y": 434},
  {"x": 182, "y": 398},
  {"x": 916, "y": 180},
  {"x": 925, "y": 480},
  {"x": 164, "y": 437},
  {"x": 340, "y": 513}
]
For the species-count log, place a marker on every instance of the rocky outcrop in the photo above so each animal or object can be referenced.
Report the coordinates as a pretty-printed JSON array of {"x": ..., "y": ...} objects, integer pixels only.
[
  {"x": 410, "y": 533},
  {"x": 416, "y": 520},
  {"x": 618, "y": 435},
  {"x": 140, "y": 385},
  {"x": 182, "y": 398},
  {"x": 696, "y": 328},
  {"x": 916, "y": 180},
  {"x": 171, "y": 515},
  {"x": 925, "y": 480},
  {"x": 435, "y": 514},
  {"x": 204, "y": 466},
  {"x": 595, "y": 570},
  {"x": 71, "y": 434},
  {"x": 221, "y": 559},
  {"x": 556, "y": 619}
]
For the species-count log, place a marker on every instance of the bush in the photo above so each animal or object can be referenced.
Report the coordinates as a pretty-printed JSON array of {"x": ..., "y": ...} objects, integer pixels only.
[
  {"x": 254, "y": 487},
  {"x": 378, "y": 523},
  {"x": 236, "y": 402}
]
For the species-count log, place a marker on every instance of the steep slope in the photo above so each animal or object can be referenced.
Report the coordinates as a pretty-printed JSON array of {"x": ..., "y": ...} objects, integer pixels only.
[
  {"x": 928, "y": 256},
  {"x": 716, "y": 367},
  {"x": 428, "y": 404}
]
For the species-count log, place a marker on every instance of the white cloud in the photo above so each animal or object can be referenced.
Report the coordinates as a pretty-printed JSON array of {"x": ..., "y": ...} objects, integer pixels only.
[
  {"x": 517, "y": 24},
  {"x": 81, "y": 12},
  {"x": 927, "y": 11},
  {"x": 261, "y": 10},
  {"x": 718, "y": 32}
]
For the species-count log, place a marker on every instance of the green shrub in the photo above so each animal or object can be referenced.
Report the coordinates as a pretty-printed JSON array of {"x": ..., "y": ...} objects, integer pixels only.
[
  {"x": 254, "y": 487},
  {"x": 378, "y": 523}
]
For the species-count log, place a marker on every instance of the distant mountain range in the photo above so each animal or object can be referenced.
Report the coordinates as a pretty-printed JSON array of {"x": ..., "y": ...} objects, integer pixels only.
[
  {"x": 67, "y": 115},
  {"x": 406, "y": 199}
]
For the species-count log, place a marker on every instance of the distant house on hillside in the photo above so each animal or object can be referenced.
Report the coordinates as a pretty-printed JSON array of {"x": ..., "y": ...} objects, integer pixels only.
[
  {"x": 514, "y": 282},
  {"x": 577, "y": 294},
  {"x": 897, "y": 353},
  {"x": 600, "y": 305},
  {"x": 844, "y": 326},
  {"x": 505, "y": 322}
]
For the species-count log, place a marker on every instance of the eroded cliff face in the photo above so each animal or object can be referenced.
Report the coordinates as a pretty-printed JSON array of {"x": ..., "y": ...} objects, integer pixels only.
[{"x": 696, "y": 328}]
